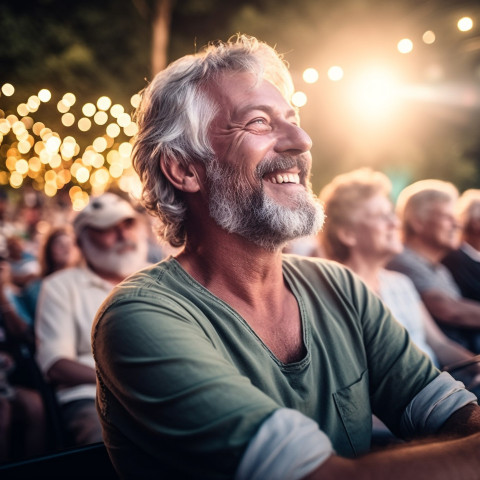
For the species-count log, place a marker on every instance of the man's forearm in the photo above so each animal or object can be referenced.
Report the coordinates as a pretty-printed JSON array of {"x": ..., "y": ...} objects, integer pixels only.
[{"x": 444, "y": 460}]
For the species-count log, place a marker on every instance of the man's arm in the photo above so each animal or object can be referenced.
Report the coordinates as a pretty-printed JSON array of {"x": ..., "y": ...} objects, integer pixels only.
[
  {"x": 445, "y": 458},
  {"x": 455, "y": 312}
]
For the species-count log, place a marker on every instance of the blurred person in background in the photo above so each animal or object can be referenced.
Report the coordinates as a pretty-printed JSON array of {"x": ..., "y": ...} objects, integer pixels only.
[
  {"x": 113, "y": 244},
  {"x": 22, "y": 413},
  {"x": 464, "y": 262},
  {"x": 430, "y": 231},
  {"x": 24, "y": 264},
  {"x": 58, "y": 250},
  {"x": 362, "y": 232}
]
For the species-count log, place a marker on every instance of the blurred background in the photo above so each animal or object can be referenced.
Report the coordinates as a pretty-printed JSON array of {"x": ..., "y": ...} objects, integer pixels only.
[{"x": 391, "y": 85}]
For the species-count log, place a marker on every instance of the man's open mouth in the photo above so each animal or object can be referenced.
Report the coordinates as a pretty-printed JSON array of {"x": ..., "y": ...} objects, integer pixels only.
[{"x": 282, "y": 177}]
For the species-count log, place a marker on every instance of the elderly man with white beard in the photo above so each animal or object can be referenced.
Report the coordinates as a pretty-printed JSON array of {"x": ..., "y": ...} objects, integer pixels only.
[
  {"x": 232, "y": 360},
  {"x": 112, "y": 239}
]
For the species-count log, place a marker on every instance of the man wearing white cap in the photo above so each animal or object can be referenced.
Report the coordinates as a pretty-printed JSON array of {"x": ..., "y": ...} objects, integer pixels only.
[{"x": 113, "y": 242}]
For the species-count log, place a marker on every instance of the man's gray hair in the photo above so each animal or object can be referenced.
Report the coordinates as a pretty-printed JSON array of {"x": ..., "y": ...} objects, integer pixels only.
[{"x": 175, "y": 114}]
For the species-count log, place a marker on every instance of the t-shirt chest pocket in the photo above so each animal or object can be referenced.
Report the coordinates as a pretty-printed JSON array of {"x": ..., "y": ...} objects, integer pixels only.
[{"x": 353, "y": 405}]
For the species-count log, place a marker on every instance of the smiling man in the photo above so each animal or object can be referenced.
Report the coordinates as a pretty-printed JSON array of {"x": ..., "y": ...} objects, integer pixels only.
[{"x": 232, "y": 360}]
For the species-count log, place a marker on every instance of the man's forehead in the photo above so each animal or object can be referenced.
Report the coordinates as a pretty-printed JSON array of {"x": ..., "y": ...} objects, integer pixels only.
[{"x": 239, "y": 92}]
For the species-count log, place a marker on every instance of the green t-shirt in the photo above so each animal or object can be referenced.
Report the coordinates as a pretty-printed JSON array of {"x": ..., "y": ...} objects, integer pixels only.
[{"x": 184, "y": 382}]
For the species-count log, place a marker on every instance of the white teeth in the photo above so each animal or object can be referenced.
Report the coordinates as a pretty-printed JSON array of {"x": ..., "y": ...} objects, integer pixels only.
[{"x": 286, "y": 178}]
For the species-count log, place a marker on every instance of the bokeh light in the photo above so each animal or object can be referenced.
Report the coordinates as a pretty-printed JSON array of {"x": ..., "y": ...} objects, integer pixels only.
[
  {"x": 335, "y": 73},
  {"x": 429, "y": 37},
  {"x": 310, "y": 75},
  {"x": 465, "y": 24},
  {"x": 8, "y": 90},
  {"x": 299, "y": 99},
  {"x": 405, "y": 45}
]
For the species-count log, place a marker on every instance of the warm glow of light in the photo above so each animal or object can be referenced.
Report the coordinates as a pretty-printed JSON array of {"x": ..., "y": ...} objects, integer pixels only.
[
  {"x": 135, "y": 100},
  {"x": 99, "y": 144},
  {"x": 113, "y": 130},
  {"x": 116, "y": 170},
  {"x": 100, "y": 118},
  {"x": 100, "y": 177},
  {"x": 310, "y": 75},
  {"x": 50, "y": 189},
  {"x": 68, "y": 119},
  {"x": 104, "y": 103},
  {"x": 33, "y": 103},
  {"x": 28, "y": 122},
  {"x": 44, "y": 95},
  {"x": 4, "y": 126},
  {"x": 428, "y": 37},
  {"x": 98, "y": 160},
  {"x": 335, "y": 73},
  {"x": 84, "y": 124},
  {"x": 125, "y": 149},
  {"x": 124, "y": 120},
  {"x": 375, "y": 94},
  {"x": 69, "y": 99},
  {"x": 63, "y": 107},
  {"x": 405, "y": 45},
  {"x": 24, "y": 147},
  {"x": 23, "y": 110},
  {"x": 82, "y": 174},
  {"x": 16, "y": 179},
  {"x": 8, "y": 89},
  {"x": 34, "y": 164},
  {"x": 131, "y": 130},
  {"x": 21, "y": 166},
  {"x": 299, "y": 99},
  {"x": 116, "y": 110},
  {"x": 465, "y": 24},
  {"x": 37, "y": 127},
  {"x": 89, "y": 109},
  {"x": 53, "y": 144}
]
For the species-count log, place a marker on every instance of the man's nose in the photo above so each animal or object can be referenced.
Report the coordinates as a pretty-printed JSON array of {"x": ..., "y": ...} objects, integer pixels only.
[{"x": 293, "y": 139}]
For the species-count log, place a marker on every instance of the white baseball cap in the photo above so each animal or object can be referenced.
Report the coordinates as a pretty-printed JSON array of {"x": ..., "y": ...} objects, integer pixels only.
[{"x": 103, "y": 212}]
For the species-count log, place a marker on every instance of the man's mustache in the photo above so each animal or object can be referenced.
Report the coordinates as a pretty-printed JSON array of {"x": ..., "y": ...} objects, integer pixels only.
[{"x": 283, "y": 162}]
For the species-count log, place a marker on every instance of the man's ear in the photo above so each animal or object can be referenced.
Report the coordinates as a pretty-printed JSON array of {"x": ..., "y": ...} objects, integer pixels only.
[
  {"x": 182, "y": 176},
  {"x": 347, "y": 236}
]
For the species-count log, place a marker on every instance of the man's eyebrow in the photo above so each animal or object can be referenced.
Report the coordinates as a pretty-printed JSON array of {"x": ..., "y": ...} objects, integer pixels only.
[{"x": 243, "y": 109}]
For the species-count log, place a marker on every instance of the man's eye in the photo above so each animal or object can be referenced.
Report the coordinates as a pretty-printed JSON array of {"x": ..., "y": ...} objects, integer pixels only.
[{"x": 258, "y": 121}]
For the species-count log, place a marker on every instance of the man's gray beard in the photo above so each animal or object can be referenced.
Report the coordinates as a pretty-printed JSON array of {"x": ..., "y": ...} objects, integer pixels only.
[
  {"x": 111, "y": 261},
  {"x": 240, "y": 208}
]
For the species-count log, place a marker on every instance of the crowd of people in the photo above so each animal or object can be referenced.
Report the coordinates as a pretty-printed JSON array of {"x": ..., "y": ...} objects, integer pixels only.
[
  {"x": 237, "y": 357},
  {"x": 48, "y": 300}
]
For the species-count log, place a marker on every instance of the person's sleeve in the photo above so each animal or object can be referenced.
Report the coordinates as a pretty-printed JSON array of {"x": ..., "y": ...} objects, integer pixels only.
[
  {"x": 433, "y": 405},
  {"x": 421, "y": 277},
  {"x": 288, "y": 446},
  {"x": 165, "y": 386},
  {"x": 54, "y": 325}
]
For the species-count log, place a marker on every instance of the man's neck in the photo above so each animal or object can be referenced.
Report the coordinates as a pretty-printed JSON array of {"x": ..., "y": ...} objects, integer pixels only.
[
  {"x": 430, "y": 252},
  {"x": 231, "y": 266}
]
